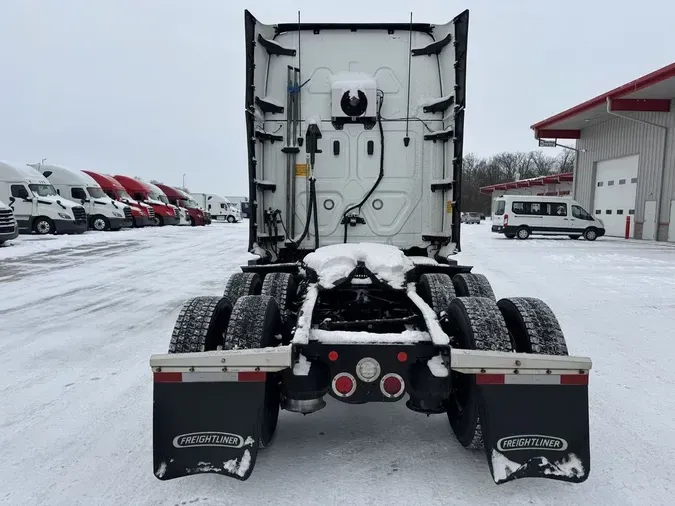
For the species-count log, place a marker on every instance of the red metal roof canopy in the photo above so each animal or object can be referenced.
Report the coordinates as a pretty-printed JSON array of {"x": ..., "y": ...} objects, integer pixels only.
[
  {"x": 526, "y": 183},
  {"x": 652, "y": 92}
]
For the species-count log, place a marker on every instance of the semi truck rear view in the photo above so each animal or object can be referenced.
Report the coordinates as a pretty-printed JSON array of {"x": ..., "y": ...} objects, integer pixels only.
[{"x": 355, "y": 135}]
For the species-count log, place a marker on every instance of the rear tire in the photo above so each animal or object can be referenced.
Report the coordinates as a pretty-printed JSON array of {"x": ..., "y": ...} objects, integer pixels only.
[
  {"x": 469, "y": 284},
  {"x": 242, "y": 283},
  {"x": 255, "y": 323},
  {"x": 510, "y": 236},
  {"x": 437, "y": 290},
  {"x": 201, "y": 325},
  {"x": 281, "y": 286},
  {"x": 523, "y": 233},
  {"x": 590, "y": 234},
  {"x": 532, "y": 326},
  {"x": 477, "y": 324}
]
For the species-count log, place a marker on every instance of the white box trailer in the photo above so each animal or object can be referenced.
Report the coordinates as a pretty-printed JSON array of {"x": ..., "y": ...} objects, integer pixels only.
[{"x": 355, "y": 135}]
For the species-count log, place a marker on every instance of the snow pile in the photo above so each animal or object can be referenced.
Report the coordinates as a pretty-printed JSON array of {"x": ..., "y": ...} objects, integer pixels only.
[
  {"x": 503, "y": 468},
  {"x": 437, "y": 367},
  {"x": 352, "y": 82},
  {"x": 305, "y": 315},
  {"x": 346, "y": 337},
  {"x": 337, "y": 261},
  {"x": 302, "y": 366},
  {"x": 238, "y": 467},
  {"x": 438, "y": 337},
  {"x": 161, "y": 470}
]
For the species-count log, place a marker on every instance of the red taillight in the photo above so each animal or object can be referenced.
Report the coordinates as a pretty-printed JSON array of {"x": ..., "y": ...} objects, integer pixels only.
[
  {"x": 402, "y": 356},
  {"x": 344, "y": 384},
  {"x": 392, "y": 385},
  {"x": 333, "y": 355},
  {"x": 506, "y": 219}
]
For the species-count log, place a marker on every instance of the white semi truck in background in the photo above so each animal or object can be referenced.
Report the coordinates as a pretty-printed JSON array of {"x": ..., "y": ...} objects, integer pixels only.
[
  {"x": 103, "y": 213},
  {"x": 37, "y": 206},
  {"x": 220, "y": 208},
  {"x": 8, "y": 227}
]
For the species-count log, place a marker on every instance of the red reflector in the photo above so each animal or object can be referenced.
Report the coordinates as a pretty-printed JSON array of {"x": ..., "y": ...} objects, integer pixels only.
[
  {"x": 574, "y": 379},
  {"x": 402, "y": 356},
  {"x": 252, "y": 376},
  {"x": 392, "y": 385},
  {"x": 489, "y": 379},
  {"x": 333, "y": 355},
  {"x": 344, "y": 385},
  {"x": 168, "y": 377}
]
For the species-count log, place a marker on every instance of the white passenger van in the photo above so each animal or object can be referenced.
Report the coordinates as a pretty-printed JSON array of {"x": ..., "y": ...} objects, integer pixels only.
[
  {"x": 523, "y": 215},
  {"x": 36, "y": 205},
  {"x": 103, "y": 213}
]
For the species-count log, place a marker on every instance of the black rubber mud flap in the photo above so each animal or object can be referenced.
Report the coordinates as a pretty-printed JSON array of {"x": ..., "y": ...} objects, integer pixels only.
[
  {"x": 206, "y": 426},
  {"x": 535, "y": 430}
]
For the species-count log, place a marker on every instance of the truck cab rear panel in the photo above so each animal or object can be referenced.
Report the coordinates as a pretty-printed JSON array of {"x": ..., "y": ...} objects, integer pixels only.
[{"x": 297, "y": 75}]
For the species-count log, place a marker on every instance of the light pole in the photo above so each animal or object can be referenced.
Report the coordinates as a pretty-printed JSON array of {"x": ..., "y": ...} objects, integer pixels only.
[{"x": 183, "y": 181}]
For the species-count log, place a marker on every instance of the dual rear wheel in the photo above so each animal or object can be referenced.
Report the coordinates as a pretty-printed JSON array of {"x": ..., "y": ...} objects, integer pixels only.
[
  {"x": 470, "y": 313},
  {"x": 250, "y": 314}
]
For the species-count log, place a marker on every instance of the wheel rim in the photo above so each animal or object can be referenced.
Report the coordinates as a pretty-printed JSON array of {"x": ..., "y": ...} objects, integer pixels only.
[
  {"x": 522, "y": 234},
  {"x": 590, "y": 234},
  {"x": 99, "y": 224},
  {"x": 230, "y": 219},
  {"x": 43, "y": 227}
]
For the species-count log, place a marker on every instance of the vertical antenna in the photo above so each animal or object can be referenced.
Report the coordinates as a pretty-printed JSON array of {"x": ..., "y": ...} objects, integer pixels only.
[
  {"x": 406, "y": 139},
  {"x": 299, "y": 87}
]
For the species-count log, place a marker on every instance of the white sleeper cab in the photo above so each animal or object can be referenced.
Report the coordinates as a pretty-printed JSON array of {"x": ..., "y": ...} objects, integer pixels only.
[
  {"x": 8, "y": 228},
  {"x": 220, "y": 208},
  {"x": 103, "y": 213},
  {"x": 36, "y": 205},
  {"x": 524, "y": 215}
]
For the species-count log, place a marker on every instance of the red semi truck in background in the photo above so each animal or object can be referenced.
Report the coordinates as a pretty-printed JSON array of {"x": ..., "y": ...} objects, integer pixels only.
[
  {"x": 165, "y": 214},
  {"x": 143, "y": 215},
  {"x": 181, "y": 199}
]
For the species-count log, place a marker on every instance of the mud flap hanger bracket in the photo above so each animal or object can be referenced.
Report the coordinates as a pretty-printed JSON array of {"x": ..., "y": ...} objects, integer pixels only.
[
  {"x": 262, "y": 359},
  {"x": 283, "y": 357}
]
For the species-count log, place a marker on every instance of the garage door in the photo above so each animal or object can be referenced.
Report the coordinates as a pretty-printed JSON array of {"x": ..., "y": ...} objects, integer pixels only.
[{"x": 615, "y": 190}]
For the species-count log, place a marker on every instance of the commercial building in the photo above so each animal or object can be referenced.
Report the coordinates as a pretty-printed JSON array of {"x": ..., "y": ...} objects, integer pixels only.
[{"x": 625, "y": 164}]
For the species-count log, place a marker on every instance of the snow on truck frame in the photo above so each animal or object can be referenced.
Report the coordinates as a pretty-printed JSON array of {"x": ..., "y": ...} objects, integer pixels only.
[{"x": 355, "y": 141}]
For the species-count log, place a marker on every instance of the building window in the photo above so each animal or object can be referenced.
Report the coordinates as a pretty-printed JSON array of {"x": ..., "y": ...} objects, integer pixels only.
[
  {"x": 608, "y": 211},
  {"x": 619, "y": 211},
  {"x": 598, "y": 211},
  {"x": 610, "y": 183},
  {"x": 599, "y": 183},
  {"x": 633, "y": 180},
  {"x": 622, "y": 181},
  {"x": 631, "y": 211}
]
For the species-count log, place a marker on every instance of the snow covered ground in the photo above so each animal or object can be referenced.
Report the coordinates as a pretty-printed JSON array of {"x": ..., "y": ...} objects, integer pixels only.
[{"x": 80, "y": 316}]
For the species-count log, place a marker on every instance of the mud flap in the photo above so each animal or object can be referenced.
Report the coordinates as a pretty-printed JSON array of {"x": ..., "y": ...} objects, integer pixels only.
[
  {"x": 206, "y": 423},
  {"x": 535, "y": 430}
]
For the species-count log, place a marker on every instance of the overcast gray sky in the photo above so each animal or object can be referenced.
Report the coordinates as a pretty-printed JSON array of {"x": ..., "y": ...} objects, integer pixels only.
[{"x": 155, "y": 88}]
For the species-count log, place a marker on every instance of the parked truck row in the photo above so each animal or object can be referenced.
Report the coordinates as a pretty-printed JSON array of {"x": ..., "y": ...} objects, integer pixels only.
[{"x": 49, "y": 199}]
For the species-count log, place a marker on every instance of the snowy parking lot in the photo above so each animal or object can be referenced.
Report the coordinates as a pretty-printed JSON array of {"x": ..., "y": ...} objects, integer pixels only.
[{"x": 81, "y": 315}]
